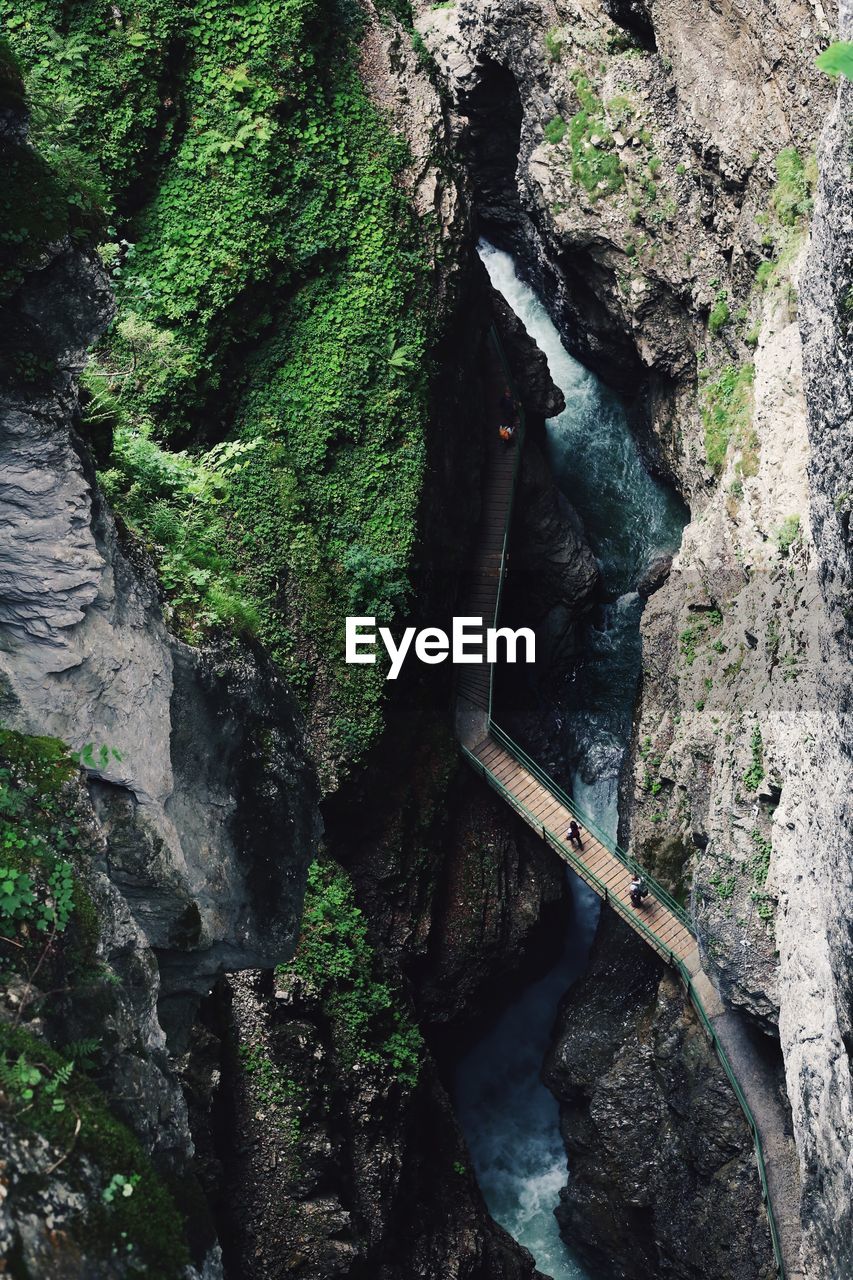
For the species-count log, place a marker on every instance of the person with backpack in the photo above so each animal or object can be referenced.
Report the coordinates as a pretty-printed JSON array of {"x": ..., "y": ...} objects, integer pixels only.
[
  {"x": 573, "y": 835},
  {"x": 639, "y": 890}
]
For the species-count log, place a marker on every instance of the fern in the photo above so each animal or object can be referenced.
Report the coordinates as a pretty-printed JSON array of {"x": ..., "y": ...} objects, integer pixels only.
[{"x": 83, "y": 1052}]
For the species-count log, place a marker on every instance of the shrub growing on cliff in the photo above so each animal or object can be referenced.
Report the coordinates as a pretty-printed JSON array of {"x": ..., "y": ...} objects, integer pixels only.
[
  {"x": 720, "y": 315},
  {"x": 45, "y": 913},
  {"x": 273, "y": 252},
  {"x": 335, "y": 957},
  {"x": 787, "y": 534},
  {"x": 727, "y": 411}
]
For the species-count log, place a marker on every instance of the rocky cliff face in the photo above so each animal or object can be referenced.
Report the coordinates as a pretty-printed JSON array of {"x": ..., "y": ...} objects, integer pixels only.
[
  {"x": 816, "y": 961},
  {"x": 196, "y": 763},
  {"x": 659, "y": 1150},
  {"x": 650, "y": 168},
  {"x": 194, "y": 819},
  {"x": 333, "y": 1172}
]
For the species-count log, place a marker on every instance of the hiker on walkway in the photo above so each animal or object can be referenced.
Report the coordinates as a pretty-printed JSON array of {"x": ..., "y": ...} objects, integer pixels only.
[
  {"x": 506, "y": 431},
  {"x": 507, "y": 406},
  {"x": 638, "y": 891},
  {"x": 573, "y": 835}
]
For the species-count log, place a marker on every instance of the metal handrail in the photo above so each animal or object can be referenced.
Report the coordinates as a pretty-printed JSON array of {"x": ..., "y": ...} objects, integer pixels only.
[
  {"x": 568, "y": 855},
  {"x": 666, "y": 953},
  {"x": 696, "y": 1001},
  {"x": 631, "y": 864}
]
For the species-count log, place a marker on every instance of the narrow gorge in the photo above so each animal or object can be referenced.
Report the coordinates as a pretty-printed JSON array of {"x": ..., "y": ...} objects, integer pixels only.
[{"x": 287, "y": 987}]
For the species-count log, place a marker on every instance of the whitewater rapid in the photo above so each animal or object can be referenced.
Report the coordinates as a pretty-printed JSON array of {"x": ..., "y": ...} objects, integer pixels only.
[{"x": 511, "y": 1121}]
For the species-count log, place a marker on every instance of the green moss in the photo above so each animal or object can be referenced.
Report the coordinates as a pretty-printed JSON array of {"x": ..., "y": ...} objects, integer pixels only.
[
  {"x": 727, "y": 412},
  {"x": 277, "y": 293},
  {"x": 595, "y": 165},
  {"x": 147, "y": 1220},
  {"x": 791, "y": 199},
  {"x": 719, "y": 317},
  {"x": 555, "y": 130},
  {"x": 336, "y": 958},
  {"x": 787, "y": 217},
  {"x": 554, "y": 44}
]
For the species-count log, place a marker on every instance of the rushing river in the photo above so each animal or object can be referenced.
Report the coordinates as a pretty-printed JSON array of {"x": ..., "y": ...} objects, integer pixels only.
[{"x": 510, "y": 1119}]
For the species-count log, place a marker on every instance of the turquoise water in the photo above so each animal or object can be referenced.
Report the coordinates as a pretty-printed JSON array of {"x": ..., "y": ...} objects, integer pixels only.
[{"x": 510, "y": 1119}]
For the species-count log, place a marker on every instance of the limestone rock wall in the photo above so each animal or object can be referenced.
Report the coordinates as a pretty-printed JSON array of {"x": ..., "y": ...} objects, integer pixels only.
[
  {"x": 635, "y": 172},
  {"x": 195, "y": 758},
  {"x": 659, "y": 1151}
]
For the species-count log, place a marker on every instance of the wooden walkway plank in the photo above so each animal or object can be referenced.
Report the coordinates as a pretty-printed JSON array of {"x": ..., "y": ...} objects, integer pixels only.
[
  {"x": 663, "y": 929},
  {"x": 595, "y": 863}
]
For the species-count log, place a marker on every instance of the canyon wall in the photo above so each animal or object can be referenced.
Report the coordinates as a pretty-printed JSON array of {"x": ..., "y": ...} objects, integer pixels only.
[
  {"x": 649, "y": 166},
  {"x": 652, "y": 168}
]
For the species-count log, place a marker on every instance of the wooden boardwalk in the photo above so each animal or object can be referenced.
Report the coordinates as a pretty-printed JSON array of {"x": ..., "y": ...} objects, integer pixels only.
[
  {"x": 600, "y": 863},
  {"x": 481, "y": 587},
  {"x": 595, "y": 863}
]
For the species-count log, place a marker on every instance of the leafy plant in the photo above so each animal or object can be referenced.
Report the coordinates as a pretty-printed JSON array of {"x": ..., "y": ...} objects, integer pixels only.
[
  {"x": 555, "y": 130},
  {"x": 760, "y": 862},
  {"x": 754, "y": 775},
  {"x": 688, "y": 641},
  {"x": 336, "y": 958},
  {"x": 837, "y": 59},
  {"x": 120, "y": 1184}
]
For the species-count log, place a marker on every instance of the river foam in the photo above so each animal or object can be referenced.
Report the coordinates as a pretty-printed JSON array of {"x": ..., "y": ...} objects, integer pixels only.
[{"x": 510, "y": 1120}]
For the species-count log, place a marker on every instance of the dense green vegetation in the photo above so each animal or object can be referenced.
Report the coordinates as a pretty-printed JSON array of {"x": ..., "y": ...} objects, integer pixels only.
[
  {"x": 46, "y": 916},
  {"x": 272, "y": 291},
  {"x": 336, "y": 959},
  {"x": 48, "y": 935},
  {"x": 727, "y": 414}
]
